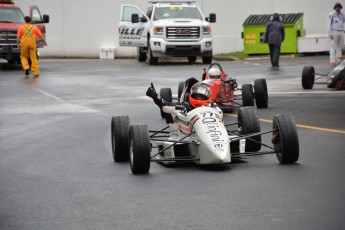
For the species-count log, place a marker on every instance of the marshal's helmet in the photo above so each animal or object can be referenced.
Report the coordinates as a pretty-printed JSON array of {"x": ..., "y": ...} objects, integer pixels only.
[
  {"x": 214, "y": 73},
  {"x": 200, "y": 94}
]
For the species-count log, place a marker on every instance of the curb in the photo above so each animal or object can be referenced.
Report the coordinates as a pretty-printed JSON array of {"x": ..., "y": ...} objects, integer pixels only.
[{"x": 225, "y": 58}]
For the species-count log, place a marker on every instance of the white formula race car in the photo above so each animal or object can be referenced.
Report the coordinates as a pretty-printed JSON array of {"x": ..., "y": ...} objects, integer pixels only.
[{"x": 200, "y": 136}]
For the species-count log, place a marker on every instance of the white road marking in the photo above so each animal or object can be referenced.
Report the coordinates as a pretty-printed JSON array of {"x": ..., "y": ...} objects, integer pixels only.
[{"x": 65, "y": 107}]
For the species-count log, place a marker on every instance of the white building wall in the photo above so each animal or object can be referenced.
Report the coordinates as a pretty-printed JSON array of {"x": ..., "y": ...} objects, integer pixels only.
[{"x": 78, "y": 28}]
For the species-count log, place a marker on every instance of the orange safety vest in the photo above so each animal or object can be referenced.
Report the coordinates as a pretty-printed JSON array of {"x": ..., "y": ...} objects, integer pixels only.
[{"x": 29, "y": 30}]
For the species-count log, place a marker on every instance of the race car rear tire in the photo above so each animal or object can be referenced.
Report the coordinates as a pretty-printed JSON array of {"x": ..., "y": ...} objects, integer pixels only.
[
  {"x": 192, "y": 59},
  {"x": 261, "y": 95},
  {"x": 180, "y": 89},
  {"x": 120, "y": 127},
  {"x": 285, "y": 139},
  {"x": 165, "y": 93},
  {"x": 248, "y": 122},
  {"x": 247, "y": 95},
  {"x": 308, "y": 77},
  {"x": 139, "y": 156},
  {"x": 141, "y": 54}
]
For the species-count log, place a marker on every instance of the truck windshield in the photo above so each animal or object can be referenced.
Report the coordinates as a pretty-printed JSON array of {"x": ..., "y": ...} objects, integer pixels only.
[
  {"x": 176, "y": 12},
  {"x": 11, "y": 15}
]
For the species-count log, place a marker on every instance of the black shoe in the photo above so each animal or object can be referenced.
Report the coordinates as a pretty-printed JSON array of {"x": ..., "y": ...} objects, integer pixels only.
[
  {"x": 277, "y": 65},
  {"x": 27, "y": 73}
]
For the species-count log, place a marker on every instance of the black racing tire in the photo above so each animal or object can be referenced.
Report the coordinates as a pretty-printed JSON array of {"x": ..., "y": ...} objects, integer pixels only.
[
  {"x": 285, "y": 139},
  {"x": 308, "y": 77},
  {"x": 120, "y": 127},
  {"x": 150, "y": 58},
  {"x": 248, "y": 122},
  {"x": 247, "y": 95},
  {"x": 192, "y": 59},
  {"x": 180, "y": 89},
  {"x": 165, "y": 93},
  {"x": 141, "y": 54},
  {"x": 139, "y": 156},
  {"x": 207, "y": 59},
  {"x": 261, "y": 94}
]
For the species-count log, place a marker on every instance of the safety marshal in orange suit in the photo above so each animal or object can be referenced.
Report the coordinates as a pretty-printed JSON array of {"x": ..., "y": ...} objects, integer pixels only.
[{"x": 26, "y": 40}]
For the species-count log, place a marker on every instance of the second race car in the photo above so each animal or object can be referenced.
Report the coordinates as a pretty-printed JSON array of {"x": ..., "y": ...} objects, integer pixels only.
[{"x": 225, "y": 91}]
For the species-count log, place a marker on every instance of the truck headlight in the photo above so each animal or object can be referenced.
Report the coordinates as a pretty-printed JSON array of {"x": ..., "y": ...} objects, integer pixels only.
[
  {"x": 158, "y": 30},
  {"x": 206, "y": 29}
]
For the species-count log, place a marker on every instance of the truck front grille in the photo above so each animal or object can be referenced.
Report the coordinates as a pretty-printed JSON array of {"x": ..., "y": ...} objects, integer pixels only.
[
  {"x": 183, "y": 33},
  {"x": 8, "y": 37}
]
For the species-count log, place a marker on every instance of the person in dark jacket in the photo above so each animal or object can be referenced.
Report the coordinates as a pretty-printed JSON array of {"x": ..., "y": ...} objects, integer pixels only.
[{"x": 274, "y": 36}]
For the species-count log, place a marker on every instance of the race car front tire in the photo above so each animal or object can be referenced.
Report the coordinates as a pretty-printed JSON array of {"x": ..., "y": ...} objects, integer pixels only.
[
  {"x": 285, "y": 139},
  {"x": 139, "y": 156},
  {"x": 247, "y": 95},
  {"x": 261, "y": 95},
  {"x": 308, "y": 77},
  {"x": 180, "y": 89},
  {"x": 248, "y": 122},
  {"x": 120, "y": 127},
  {"x": 165, "y": 93}
]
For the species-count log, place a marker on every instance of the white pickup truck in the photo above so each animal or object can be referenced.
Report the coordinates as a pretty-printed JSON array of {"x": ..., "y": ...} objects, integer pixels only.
[{"x": 169, "y": 28}]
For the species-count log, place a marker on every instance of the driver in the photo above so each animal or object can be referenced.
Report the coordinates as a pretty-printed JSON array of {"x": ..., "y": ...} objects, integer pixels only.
[
  {"x": 214, "y": 73},
  {"x": 197, "y": 95}
]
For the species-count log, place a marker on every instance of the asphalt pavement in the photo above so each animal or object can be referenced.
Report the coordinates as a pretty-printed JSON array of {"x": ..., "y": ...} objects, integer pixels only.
[{"x": 57, "y": 171}]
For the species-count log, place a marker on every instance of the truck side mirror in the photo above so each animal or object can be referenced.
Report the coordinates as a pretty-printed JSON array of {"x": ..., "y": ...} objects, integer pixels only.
[
  {"x": 135, "y": 18},
  {"x": 212, "y": 18},
  {"x": 46, "y": 18},
  {"x": 143, "y": 19}
]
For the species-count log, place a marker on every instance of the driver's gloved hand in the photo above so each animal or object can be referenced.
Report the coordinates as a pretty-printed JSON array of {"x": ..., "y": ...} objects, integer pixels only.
[{"x": 151, "y": 92}]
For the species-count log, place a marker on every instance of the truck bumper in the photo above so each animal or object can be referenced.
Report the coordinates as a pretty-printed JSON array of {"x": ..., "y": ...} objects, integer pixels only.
[
  {"x": 9, "y": 52},
  {"x": 161, "y": 48}
]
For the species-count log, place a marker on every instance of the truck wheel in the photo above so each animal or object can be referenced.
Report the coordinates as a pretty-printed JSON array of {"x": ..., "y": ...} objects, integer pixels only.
[
  {"x": 192, "y": 59},
  {"x": 139, "y": 156},
  {"x": 150, "y": 58},
  {"x": 165, "y": 93},
  {"x": 120, "y": 126},
  {"x": 141, "y": 54},
  {"x": 207, "y": 60},
  {"x": 180, "y": 89},
  {"x": 261, "y": 95},
  {"x": 285, "y": 139},
  {"x": 247, "y": 95},
  {"x": 308, "y": 77},
  {"x": 248, "y": 122}
]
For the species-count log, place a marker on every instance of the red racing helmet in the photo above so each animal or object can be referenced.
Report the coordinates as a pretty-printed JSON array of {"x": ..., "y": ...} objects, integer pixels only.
[{"x": 200, "y": 94}]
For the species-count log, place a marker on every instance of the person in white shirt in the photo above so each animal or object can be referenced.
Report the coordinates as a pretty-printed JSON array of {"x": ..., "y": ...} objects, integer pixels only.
[{"x": 335, "y": 29}]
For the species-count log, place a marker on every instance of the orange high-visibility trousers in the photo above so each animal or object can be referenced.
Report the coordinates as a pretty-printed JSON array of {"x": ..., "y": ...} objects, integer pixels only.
[{"x": 28, "y": 50}]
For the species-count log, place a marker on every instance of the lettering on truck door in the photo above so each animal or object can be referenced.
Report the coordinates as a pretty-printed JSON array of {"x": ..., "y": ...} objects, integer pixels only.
[{"x": 132, "y": 34}]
